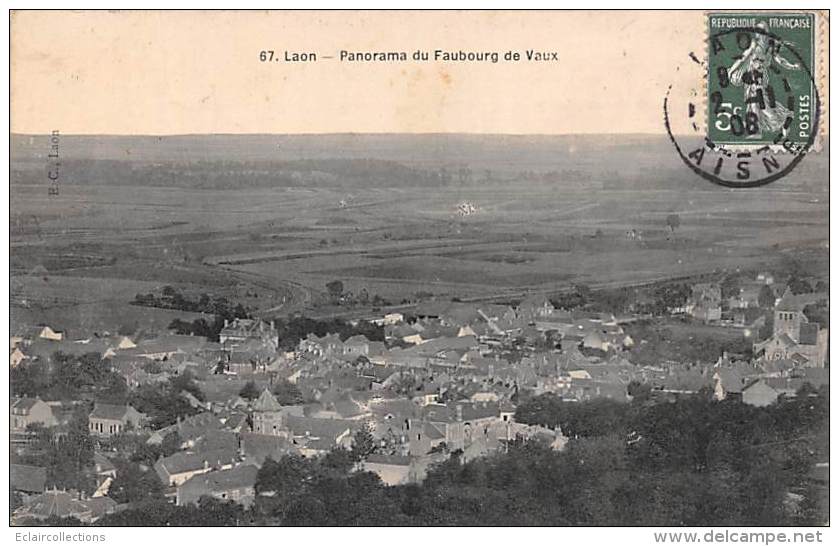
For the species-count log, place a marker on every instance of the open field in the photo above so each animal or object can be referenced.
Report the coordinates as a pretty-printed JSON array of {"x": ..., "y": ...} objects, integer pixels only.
[{"x": 541, "y": 221}]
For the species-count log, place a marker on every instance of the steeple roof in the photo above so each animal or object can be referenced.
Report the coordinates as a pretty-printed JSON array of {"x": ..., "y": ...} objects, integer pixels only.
[
  {"x": 788, "y": 302},
  {"x": 266, "y": 402}
]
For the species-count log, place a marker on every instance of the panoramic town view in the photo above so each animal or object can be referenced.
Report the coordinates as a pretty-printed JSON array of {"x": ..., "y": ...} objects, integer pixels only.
[
  {"x": 468, "y": 271},
  {"x": 413, "y": 330}
]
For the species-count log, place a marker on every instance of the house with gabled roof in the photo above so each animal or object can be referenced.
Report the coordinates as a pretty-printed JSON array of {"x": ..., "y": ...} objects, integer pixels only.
[
  {"x": 241, "y": 330},
  {"x": 181, "y": 466},
  {"x": 189, "y": 429},
  {"x": 63, "y": 504},
  {"x": 30, "y": 411},
  {"x": 27, "y": 479},
  {"x": 536, "y": 306},
  {"x": 165, "y": 347},
  {"x": 110, "y": 419},
  {"x": 683, "y": 380},
  {"x": 314, "y": 436},
  {"x": 345, "y": 407},
  {"x": 47, "y": 332},
  {"x": 391, "y": 469},
  {"x": 357, "y": 345},
  {"x": 388, "y": 319},
  {"x": 778, "y": 368},
  {"x": 459, "y": 421},
  {"x": 727, "y": 383},
  {"x": 758, "y": 393},
  {"x": 327, "y": 346},
  {"x": 255, "y": 448},
  {"x": 105, "y": 472},
  {"x": 232, "y": 484},
  {"x": 16, "y": 357}
]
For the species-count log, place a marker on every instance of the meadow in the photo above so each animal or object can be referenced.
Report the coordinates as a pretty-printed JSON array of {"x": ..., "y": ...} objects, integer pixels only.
[{"x": 270, "y": 220}]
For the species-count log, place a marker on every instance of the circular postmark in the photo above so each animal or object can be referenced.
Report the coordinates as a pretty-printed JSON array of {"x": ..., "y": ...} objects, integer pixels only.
[{"x": 762, "y": 107}]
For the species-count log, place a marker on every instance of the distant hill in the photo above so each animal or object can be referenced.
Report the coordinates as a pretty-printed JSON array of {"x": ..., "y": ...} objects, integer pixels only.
[
  {"x": 408, "y": 148},
  {"x": 622, "y": 161}
]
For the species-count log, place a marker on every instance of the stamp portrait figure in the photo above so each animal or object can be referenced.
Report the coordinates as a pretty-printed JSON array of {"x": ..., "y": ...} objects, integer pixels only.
[{"x": 751, "y": 71}]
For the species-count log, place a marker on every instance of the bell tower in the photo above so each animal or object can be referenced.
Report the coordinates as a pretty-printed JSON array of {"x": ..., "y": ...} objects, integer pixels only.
[{"x": 788, "y": 316}]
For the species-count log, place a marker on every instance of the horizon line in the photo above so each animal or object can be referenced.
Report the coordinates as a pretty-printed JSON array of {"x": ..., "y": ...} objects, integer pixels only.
[{"x": 346, "y": 133}]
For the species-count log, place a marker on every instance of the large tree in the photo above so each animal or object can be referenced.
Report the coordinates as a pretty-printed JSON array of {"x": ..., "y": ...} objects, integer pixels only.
[
  {"x": 363, "y": 444},
  {"x": 673, "y": 221},
  {"x": 765, "y": 297},
  {"x": 134, "y": 484},
  {"x": 287, "y": 393},
  {"x": 335, "y": 289},
  {"x": 250, "y": 391}
]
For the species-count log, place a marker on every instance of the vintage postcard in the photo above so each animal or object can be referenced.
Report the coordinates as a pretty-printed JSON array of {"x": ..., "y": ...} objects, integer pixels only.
[{"x": 420, "y": 268}]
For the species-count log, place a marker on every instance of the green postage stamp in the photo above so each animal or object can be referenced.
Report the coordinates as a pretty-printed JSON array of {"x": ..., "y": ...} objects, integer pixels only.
[{"x": 762, "y": 87}]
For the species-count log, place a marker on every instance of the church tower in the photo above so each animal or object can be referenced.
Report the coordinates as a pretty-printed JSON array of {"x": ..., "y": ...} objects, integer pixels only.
[
  {"x": 267, "y": 414},
  {"x": 788, "y": 317}
]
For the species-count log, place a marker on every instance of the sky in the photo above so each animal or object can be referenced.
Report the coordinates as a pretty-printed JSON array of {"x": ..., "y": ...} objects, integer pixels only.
[{"x": 176, "y": 72}]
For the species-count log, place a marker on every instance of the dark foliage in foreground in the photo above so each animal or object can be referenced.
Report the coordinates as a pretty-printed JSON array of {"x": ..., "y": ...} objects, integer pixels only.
[
  {"x": 69, "y": 378},
  {"x": 172, "y": 299},
  {"x": 292, "y": 330},
  {"x": 67, "y": 457},
  {"x": 163, "y": 403},
  {"x": 688, "y": 462}
]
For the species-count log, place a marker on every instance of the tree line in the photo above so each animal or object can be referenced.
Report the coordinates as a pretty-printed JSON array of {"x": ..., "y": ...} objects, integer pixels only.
[{"x": 294, "y": 329}]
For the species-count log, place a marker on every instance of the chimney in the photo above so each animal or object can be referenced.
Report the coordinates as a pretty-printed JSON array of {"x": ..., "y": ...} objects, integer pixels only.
[
  {"x": 225, "y": 323},
  {"x": 459, "y": 412}
]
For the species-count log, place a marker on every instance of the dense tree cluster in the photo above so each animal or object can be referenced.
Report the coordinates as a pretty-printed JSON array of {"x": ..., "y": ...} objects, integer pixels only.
[
  {"x": 221, "y": 309},
  {"x": 597, "y": 417},
  {"x": 198, "y": 327},
  {"x": 164, "y": 403},
  {"x": 664, "y": 344},
  {"x": 67, "y": 454},
  {"x": 208, "y": 512},
  {"x": 69, "y": 377},
  {"x": 171, "y": 298},
  {"x": 236, "y": 174},
  {"x": 799, "y": 285},
  {"x": 287, "y": 393},
  {"x": 668, "y": 296},
  {"x": 133, "y": 446},
  {"x": 135, "y": 483},
  {"x": 695, "y": 461},
  {"x": 250, "y": 391},
  {"x": 292, "y": 330},
  {"x": 818, "y": 313},
  {"x": 662, "y": 297},
  {"x": 575, "y": 298}
]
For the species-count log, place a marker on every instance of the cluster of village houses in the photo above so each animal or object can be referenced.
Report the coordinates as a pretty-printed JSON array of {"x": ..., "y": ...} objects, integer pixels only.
[{"x": 446, "y": 381}]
